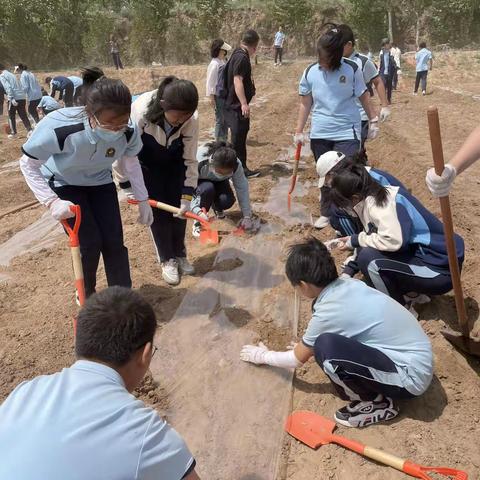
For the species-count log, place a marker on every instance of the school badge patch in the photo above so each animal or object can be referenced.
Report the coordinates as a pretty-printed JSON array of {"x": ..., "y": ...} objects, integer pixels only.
[
  {"x": 343, "y": 79},
  {"x": 110, "y": 152}
]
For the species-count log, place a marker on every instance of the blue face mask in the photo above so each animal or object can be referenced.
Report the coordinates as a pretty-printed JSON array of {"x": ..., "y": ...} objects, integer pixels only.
[{"x": 108, "y": 135}]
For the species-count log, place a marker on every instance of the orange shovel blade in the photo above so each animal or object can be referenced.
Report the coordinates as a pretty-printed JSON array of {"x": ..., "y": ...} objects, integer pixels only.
[
  {"x": 209, "y": 236},
  {"x": 310, "y": 428}
]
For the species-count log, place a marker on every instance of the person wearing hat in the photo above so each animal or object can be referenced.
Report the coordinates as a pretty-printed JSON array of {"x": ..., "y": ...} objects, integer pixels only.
[
  {"x": 327, "y": 165},
  {"x": 218, "y": 52}
]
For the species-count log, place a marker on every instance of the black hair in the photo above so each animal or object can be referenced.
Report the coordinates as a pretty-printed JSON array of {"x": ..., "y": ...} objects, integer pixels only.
[
  {"x": 89, "y": 76},
  {"x": 22, "y": 67},
  {"x": 107, "y": 94},
  {"x": 44, "y": 92},
  {"x": 250, "y": 38},
  {"x": 2, "y": 66},
  {"x": 48, "y": 79},
  {"x": 216, "y": 47},
  {"x": 422, "y": 44},
  {"x": 347, "y": 33},
  {"x": 113, "y": 324},
  {"x": 355, "y": 180},
  {"x": 176, "y": 94},
  {"x": 385, "y": 41},
  {"x": 330, "y": 45},
  {"x": 310, "y": 262},
  {"x": 223, "y": 155}
]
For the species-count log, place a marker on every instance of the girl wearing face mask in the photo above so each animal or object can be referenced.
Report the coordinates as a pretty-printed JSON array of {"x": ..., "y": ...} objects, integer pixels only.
[
  {"x": 167, "y": 119},
  {"x": 215, "y": 169},
  {"x": 401, "y": 250},
  {"x": 68, "y": 161}
]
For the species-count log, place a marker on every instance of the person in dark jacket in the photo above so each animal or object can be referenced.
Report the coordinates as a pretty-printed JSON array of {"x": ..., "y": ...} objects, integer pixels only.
[
  {"x": 64, "y": 86},
  {"x": 388, "y": 67}
]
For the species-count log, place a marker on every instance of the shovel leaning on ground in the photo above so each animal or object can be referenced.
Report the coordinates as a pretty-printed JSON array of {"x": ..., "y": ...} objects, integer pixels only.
[
  {"x": 293, "y": 182},
  {"x": 462, "y": 341},
  {"x": 314, "y": 430},
  {"x": 207, "y": 234}
]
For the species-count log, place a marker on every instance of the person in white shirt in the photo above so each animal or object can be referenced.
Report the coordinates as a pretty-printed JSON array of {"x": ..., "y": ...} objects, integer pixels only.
[
  {"x": 397, "y": 54},
  {"x": 278, "y": 46},
  {"x": 218, "y": 52}
]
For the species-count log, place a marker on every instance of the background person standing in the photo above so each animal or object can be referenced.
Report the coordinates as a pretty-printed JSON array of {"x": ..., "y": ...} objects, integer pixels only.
[
  {"x": 387, "y": 68},
  {"x": 278, "y": 46},
  {"x": 424, "y": 60},
  {"x": 218, "y": 52},
  {"x": 32, "y": 88},
  {"x": 240, "y": 91},
  {"x": 397, "y": 53},
  {"x": 115, "y": 52}
]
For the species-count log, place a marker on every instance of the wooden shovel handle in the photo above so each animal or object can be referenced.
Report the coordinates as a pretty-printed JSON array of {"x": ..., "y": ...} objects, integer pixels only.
[
  {"x": 439, "y": 164},
  {"x": 298, "y": 152}
]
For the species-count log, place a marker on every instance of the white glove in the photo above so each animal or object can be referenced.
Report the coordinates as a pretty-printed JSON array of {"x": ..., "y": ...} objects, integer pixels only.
[
  {"x": 373, "y": 129},
  {"x": 385, "y": 112},
  {"x": 184, "y": 207},
  {"x": 145, "y": 215},
  {"x": 14, "y": 102},
  {"x": 129, "y": 193},
  {"x": 60, "y": 209},
  {"x": 440, "y": 186},
  {"x": 299, "y": 138},
  {"x": 254, "y": 353}
]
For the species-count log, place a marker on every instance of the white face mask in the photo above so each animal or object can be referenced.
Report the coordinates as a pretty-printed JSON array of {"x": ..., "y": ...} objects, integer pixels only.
[{"x": 108, "y": 135}]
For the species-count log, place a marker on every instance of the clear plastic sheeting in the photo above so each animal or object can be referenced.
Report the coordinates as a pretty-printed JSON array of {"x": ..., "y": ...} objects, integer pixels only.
[
  {"x": 39, "y": 235},
  {"x": 277, "y": 203},
  {"x": 230, "y": 413}
]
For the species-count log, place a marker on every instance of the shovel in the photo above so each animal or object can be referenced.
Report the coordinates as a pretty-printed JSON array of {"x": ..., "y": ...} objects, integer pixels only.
[
  {"x": 314, "y": 430},
  {"x": 207, "y": 234},
  {"x": 462, "y": 341},
  {"x": 294, "y": 176}
]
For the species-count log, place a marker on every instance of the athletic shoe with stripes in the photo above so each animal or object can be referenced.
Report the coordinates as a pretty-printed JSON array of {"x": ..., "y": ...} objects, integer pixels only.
[{"x": 364, "y": 413}]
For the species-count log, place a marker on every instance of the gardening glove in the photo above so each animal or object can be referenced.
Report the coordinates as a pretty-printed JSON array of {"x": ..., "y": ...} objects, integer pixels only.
[
  {"x": 440, "y": 186},
  {"x": 345, "y": 243},
  {"x": 385, "y": 112},
  {"x": 184, "y": 207},
  {"x": 254, "y": 353},
  {"x": 145, "y": 213},
  {"x": 60, "y": 209},
  {"x": 373, "y": 129},
  {"x": 246, "y": 223},
  {"x": 14, "y": 102},
  {"x": 299, "y": 138}
]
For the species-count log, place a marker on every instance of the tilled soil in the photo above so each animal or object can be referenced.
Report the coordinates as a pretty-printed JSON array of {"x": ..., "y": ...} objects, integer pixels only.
[{"x": 439, "y": 428}]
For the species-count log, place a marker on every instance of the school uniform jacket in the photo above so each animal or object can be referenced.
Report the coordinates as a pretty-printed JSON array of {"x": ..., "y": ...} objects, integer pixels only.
[
  {"x": 13, "y": 89},
  {"x": 30, "y": 85},
  {"x": 404, "y": 224},
  {"x": 182, "y": 142},
  {"x": 392, "y": 65}
]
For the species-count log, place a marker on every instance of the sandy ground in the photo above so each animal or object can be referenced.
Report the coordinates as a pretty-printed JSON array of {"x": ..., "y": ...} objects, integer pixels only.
[{"x": 441, "y": 427}]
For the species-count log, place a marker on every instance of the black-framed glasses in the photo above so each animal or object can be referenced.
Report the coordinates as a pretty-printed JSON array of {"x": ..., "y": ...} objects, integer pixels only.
[{"x": 154, "y": 350}]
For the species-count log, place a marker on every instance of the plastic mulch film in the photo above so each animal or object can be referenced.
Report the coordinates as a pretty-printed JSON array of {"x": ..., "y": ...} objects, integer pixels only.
[
  {"x": 230, "y": 413},
  {"x": 41, "y": 234}
]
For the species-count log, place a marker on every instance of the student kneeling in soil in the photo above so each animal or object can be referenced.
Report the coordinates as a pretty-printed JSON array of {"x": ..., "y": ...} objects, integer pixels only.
[
  {"x": 220, "y": 164},
  {"x": 327, "y": 165},
  {"x": 401, "y": 250},
  {"x": 83, "y": 422},
  {"x": 371, "y": 348}
]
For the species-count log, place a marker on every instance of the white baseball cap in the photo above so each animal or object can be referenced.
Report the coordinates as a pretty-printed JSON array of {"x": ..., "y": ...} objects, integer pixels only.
[
  {"x": 225, "y": 47},
  {"x": 325, "y": 163}
]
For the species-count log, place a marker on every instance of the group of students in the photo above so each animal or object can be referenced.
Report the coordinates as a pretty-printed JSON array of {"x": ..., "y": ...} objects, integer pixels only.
[
  {"x": 362, "y": 333},
  {"x": 26, "y": 97}
]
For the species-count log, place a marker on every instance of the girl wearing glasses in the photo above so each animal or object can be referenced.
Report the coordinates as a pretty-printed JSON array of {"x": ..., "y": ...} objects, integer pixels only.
[
  {"x": 167, "y": 119},
  {"x": 68, "y": 160}
]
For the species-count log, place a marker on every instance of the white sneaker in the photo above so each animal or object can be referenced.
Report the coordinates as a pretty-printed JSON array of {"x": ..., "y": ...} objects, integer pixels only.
[
  {"x": 424, "y": 92},
  {"x": 170, "y": 272},
  {"x": 322, "y": 222},
  {"x": 196, "y": 229},
  {"x": 12, "y": 135},
  {"x": 417, "y": 298},
  {"x": 185, "y": 267}
]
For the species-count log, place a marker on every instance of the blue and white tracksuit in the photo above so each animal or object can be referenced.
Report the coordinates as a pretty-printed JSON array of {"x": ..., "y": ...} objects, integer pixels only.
[
  {"x": 402, "y": 248},
  {"x": 344, "y": 222}
]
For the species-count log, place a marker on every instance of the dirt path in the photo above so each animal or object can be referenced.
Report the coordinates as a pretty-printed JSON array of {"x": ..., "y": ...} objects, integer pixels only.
[{"x": 36, "y": 303}]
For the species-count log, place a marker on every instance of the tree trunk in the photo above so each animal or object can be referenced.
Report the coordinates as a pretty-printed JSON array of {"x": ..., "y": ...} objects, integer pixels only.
[
  {"x": 417, "y": 31},
  {"x": 390, "y": 24}
]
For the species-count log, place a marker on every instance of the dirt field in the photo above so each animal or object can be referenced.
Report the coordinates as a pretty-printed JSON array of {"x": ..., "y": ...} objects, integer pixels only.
[{"x": 440, "y": 428}]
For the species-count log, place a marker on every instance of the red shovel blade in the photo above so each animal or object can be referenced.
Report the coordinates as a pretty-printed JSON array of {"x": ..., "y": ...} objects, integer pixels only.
[{"x": 310, "y": 428}]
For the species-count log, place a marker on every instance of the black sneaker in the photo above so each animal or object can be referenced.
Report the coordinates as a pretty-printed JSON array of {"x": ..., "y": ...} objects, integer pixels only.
[
  {"x": 364, "y": 413},
  {"x": 251, "y": 173}
]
